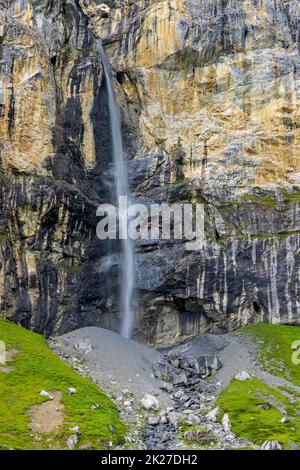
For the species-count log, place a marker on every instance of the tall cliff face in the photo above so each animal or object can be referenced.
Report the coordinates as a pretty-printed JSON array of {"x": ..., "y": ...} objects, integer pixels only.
[
  {"x": 209, "y": 92},
  {"x": 54, "y": 165}
]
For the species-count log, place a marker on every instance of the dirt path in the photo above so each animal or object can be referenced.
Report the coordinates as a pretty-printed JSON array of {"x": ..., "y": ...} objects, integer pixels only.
[{"x": 48, "y": 417}]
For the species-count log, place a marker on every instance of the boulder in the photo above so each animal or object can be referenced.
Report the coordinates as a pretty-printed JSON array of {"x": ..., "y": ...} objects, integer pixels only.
[
  {"x": 178, "y": 394},
  {"x": 166, "y": 387},
  {"x": 153, "y": 420},
  {"x": 213, "y": 415},
  {"x": 83, "y": 346},
  {"x": 226, "y": 423},
  {"x": 242, "y": 376},
  {"x": 149, "y": 402},
  {"x": 180, "y": 379},
  {"x": 208, "y": 364},
  {"x": 161, "y": 370}
]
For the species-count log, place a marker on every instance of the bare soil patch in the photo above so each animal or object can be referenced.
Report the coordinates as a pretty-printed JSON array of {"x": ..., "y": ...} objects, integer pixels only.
[{"x": 48, "y": 417}]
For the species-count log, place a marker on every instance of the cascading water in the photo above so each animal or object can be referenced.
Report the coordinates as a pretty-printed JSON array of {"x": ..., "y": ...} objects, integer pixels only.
[{"x": 122, "y": 189}]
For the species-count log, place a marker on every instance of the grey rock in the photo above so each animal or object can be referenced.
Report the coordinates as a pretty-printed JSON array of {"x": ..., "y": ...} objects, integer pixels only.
[
  {"x": 180, "y": 379},
  {"x": 149, "y": 402},
  {"x": 193, "y": 419},
  {"x": 271, "y": 445},
  {"x": 226, "y": 423},
  {"x": 167, "y": 387},
  {"x": 284, "y": 420},
  {"x": 213, "y": 415},
  {"x": 45, "y": 394},
  {"x": 166, "y": 437},
  {"x": 242, "y": 376},
  {"x": 83, "y": 347},
  {"x": 208, "y": 364},
  {"x": 153, "y": 420},
  {"x": 72, "y": 441},
  {"x": 76, "y": 430}
]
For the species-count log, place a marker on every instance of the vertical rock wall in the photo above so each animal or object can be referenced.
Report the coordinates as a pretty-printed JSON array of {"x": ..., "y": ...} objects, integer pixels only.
[{"x": 209, "y": 93}]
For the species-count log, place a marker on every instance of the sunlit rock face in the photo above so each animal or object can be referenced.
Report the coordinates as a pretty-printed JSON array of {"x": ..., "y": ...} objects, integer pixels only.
[
  {"x": 209, "y": 93},
  {"x": 221, "y": 76}
]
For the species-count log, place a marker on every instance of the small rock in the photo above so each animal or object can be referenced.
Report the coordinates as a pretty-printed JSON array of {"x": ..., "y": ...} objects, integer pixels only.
[
  {"x": 173, "y": 419},
  {"x": 242, "y": 376},
  {"x": 213, "y": 415},
  {"x": 127, "y": 403},
  {"x": 71, "y": 391},
  {"x": 226, "y": 423},
  {"x": 153, "y": 420},
  {"x": 76, "y": 429},
  {"x": 166, "y": 387},
  {"x": 188, "y": 435},
  {"x": 43, "y": 393},
  {"x": 172, "y": 356},
  {"x": 193, "y": 419},
  {"x": 149, "y": 402},
  {"x": 163, "y": 420},
  {"x": 264, "y": 406},
  {"x": 72, "y": 441},
  {"x": 271, "y": 445},
  {"x": 83, "y": 346},
  {"x": 178, "y": 394},
  {"x": 284, "y": 420},
  {"x": 184, "y": 399},
  {"x": 180, "y": 379},
  {"x": 112, "y": 427},
  {"x": 166, "y": 437}
]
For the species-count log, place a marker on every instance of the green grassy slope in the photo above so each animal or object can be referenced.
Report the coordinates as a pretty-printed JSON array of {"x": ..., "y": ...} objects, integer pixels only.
[
  {"x": 275, "y": 349},
  {"x": 254, "y": 409},
  {"x": 38, "y": 368}
]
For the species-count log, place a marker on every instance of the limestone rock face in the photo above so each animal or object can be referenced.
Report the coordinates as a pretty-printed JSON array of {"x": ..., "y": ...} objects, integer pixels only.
[
  {"x": 209, "y": 93},
  {"x": 54, "y": 164}
]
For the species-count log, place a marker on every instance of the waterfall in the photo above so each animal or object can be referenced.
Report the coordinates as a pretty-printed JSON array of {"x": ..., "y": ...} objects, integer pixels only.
[{"x": 122, "y": 189}]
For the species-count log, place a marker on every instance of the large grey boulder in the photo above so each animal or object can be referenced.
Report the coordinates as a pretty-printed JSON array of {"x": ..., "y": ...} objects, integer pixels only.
[
  {"x": 149, "y": 402},
  {"x": 208, "y": 365}
]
